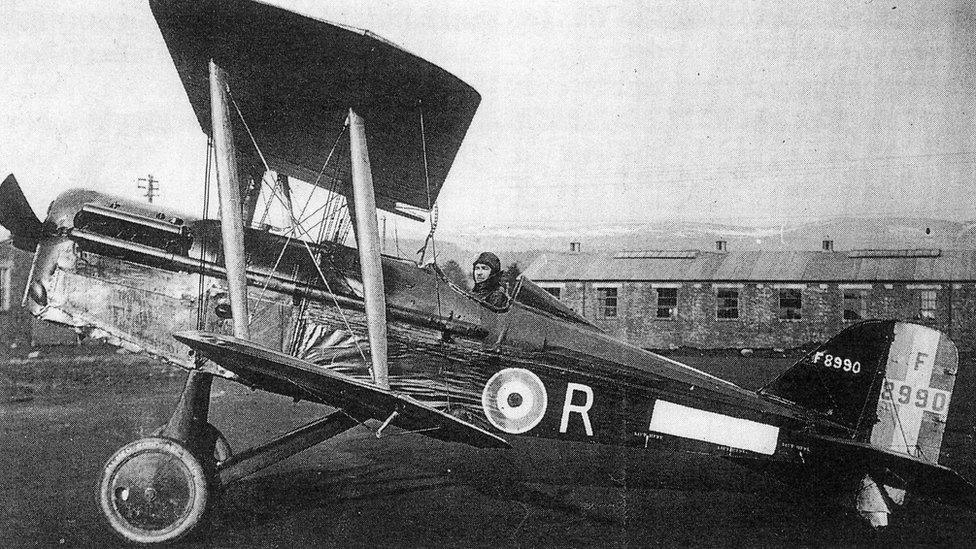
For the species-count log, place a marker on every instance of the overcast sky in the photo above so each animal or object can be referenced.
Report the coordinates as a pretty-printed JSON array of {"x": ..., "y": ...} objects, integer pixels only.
[{"x": 591, "y": 112}]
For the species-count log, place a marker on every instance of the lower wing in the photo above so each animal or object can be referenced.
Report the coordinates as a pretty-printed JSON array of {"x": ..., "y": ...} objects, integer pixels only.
[{"x": 277, "y": 372}]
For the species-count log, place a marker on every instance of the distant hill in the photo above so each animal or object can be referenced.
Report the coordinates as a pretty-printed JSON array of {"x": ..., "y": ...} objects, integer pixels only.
[
  {"x": 847, "y": 233},
  {"x": 524, "y": 243}
]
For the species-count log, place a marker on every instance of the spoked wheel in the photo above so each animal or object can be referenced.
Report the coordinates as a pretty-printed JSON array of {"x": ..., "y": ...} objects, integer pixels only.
[{"x": 154, "y": 490}]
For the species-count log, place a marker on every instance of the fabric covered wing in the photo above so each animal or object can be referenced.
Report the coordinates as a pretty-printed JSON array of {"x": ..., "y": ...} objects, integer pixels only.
[
  {"x": 295, "y": 78},
  {"x": 289, "y": 375}
]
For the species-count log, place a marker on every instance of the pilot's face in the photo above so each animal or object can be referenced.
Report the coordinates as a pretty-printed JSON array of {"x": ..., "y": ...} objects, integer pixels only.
[{"x": 481, "y": 272}]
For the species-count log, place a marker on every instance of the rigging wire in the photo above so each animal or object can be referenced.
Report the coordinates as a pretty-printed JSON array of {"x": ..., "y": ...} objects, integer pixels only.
[
  {"x": 296, "y": 226},
  {"x": 896, "y": 419},
  {"x": 267, "y": 203},
  {"x": 201, "y": 285},
  {"x": 433, "y": 211},
  {"x": 430, "y": 235}
]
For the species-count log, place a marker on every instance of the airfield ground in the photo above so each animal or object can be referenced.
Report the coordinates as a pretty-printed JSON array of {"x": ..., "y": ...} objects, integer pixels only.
[{"x": 61, "y": 418}]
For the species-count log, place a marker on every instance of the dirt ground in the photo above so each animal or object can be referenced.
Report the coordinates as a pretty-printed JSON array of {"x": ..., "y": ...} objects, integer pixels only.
[{"x": 60, "y": 419}]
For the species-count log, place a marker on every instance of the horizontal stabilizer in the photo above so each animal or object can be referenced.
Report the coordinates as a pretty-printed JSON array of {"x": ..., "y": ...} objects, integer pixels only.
[
  {"x": 274, "y": 371},
  {"x": 17, "y": 216}
]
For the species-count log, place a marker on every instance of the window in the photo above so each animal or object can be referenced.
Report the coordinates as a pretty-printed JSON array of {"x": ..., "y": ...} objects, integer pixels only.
[
  {"x": 667, "y": 302},
  {"x": 554, "y": 291},
  {"x": 727, "y": 304},
  {"x": 855, "y": 305},
  {"x": 4, "y": 288},
  {"x": 790, "y": 304},
  {"x": 926, "y": 306},
  {"x": 606, "y": 299}
]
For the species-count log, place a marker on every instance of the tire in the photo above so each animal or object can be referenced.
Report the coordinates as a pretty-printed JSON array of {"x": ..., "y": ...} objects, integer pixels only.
[{"x": 154, "y": 491}]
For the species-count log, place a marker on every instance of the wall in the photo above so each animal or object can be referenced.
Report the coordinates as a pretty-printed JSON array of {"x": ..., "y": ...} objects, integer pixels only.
[
  {"x": 15, "y": 322},
  {"x": 759, "y": 325},
  {"x": 19, "y": 331}
]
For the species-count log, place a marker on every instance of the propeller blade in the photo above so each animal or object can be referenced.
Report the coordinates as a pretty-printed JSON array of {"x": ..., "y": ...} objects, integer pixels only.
[{"x": 17, "y": 216}]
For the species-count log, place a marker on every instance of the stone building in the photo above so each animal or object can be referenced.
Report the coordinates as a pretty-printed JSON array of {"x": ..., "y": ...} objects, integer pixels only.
[
  {"x": 15, "y": 323},
  {"x": 761, "y": 299}
]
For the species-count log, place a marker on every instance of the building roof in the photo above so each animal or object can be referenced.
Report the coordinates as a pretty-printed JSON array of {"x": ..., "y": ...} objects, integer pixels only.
[{"x": 760, "y": 265}]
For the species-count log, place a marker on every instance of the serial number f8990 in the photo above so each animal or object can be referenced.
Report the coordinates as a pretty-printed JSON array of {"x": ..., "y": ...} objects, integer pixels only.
[{"x": 837, "y": 362}]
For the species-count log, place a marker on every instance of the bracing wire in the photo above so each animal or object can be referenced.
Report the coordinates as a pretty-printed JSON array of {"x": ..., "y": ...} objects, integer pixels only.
[
  {"x": 896, "y": 418},
  {"x": 296, "y": 226},
  {"x": 292, "y": 230},
  {"x": 201, "y": 286},
  {"x": 433, "y": 224},
  {"x": 431, "y": 209},
  {"x": 433, "y": 218}
]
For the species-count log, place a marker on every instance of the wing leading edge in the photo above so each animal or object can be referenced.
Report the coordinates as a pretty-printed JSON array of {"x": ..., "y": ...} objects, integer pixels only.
[{"x": 295, "y": 377}]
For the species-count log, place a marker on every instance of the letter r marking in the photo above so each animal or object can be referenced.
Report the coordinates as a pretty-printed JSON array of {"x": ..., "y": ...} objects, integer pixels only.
[{"x": 582, "y": 409}]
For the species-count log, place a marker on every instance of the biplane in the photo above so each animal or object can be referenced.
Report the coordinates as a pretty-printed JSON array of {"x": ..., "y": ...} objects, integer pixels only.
[{"x": 865, "y": 418}]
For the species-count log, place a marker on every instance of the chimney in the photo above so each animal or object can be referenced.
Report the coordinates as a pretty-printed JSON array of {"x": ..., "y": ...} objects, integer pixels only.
[
  {"x": 828, "y": 245},
  {"x": 575, "y": 247},
  {"x": 721, "y": 246}
]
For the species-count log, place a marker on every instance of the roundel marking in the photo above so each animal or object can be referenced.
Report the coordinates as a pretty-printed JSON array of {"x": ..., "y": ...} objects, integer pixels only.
[{"x": 514, "y": 400}]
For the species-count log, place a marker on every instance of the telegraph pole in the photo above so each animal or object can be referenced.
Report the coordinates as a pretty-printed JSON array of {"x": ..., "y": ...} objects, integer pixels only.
[{"x": 151, "y": 186}]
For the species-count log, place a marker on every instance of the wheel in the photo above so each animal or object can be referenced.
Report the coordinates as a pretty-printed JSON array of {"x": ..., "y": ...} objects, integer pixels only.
[{"x": 153, "y": 490}]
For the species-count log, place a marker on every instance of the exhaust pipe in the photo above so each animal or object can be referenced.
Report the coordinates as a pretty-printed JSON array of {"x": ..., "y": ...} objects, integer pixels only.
[{"x": 17, "y": 216}]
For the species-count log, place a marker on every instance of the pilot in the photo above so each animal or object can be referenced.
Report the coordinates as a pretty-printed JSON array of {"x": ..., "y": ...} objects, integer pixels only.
[{"x": 487, "y": 273}]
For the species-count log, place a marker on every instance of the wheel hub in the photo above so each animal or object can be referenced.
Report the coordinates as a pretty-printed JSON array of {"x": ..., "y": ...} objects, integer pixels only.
[{"x": 152, "y": 490}]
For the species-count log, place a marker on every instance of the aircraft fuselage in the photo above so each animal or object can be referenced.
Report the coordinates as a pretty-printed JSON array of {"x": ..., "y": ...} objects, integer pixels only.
[{"x": 134, "y": 276}]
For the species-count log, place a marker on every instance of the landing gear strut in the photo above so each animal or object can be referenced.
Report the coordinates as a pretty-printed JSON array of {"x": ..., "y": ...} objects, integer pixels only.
[{"x": 161, "y": 488}]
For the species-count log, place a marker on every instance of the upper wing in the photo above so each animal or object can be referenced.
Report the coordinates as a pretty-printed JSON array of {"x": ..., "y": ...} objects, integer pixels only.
[
  {"x": 295, "y": 79},
  {"x": 281, "y": 372}
]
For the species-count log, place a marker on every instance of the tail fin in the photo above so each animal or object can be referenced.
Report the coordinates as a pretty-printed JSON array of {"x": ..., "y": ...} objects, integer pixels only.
[
  {"x": 889, "y": 383},
  {"x": 839, "y": 378}
]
